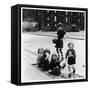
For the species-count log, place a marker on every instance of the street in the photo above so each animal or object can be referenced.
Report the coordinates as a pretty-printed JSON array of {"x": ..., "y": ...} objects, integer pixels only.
[{"x": 30, "y": 45}]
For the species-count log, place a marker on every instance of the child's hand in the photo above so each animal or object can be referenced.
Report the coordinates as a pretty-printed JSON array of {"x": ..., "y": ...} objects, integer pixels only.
[
  {"x": 70, "y": 54},
  {"x": 47, "y": 57}
]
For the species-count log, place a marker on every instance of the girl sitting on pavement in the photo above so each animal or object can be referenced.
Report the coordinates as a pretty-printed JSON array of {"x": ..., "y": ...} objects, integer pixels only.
[
  {"x": 45, "y": 60},
  {"x": 39, "y": 56},
  {"x": 55, "y": 66}
]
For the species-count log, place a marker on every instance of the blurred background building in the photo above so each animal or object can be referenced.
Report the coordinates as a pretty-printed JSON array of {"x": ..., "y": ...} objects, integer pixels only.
[{"x": 46, "y": 20}]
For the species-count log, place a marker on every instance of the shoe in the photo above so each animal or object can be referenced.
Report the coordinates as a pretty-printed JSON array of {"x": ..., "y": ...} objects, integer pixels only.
[
  {"x": 69, "y": 75},
  {"x": 74, "y": 71},
  {"x": 63, "y": 66},
  {"x": 62, "y": 58}
]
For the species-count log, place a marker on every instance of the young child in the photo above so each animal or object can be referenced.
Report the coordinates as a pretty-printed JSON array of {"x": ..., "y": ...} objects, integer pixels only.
[
  {"x": 45, "y": 60},
  {"x": 54, "y": 61},
  {"x": 59, "y": 40},
  {"x": 71, "y": 58},
  {"x": 39, "y": 56},
  {"x": 55, "y": 66}
]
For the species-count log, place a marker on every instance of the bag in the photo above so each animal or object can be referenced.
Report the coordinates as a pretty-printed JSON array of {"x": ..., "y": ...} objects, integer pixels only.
[{"x": 54, "y": 40}]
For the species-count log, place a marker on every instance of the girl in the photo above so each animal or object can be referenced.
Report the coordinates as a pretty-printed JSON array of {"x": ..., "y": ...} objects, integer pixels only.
[
  {"x": 55, "y": 65},
  {"x": 45, "y": 60},
  {"x": 71, "y": 59},
  {"x": 39, "y": 56},
  {"x": 54, "y": 61},
  {"x": 59, "y": 40}
]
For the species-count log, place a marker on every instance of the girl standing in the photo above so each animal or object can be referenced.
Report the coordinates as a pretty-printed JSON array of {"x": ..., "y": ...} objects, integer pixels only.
[{"x": 71, "y": 59}]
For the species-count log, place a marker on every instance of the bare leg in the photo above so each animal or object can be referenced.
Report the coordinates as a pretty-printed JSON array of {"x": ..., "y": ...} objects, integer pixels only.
[
  {"x": 71, "y": 70},
  {"x": 70, "y": 73},
  {"x": 74, "y": 70}
]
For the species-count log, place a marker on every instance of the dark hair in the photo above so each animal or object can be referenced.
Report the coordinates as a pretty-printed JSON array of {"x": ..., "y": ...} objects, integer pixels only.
[
  {"x": 59, "y": 25},
  {"x": 47, "y": 50}
]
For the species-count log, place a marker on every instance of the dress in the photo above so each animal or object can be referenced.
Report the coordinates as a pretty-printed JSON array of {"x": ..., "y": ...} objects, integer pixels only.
[
  {"x": 71, "y": 60},
  {"x": 54, "y": 63},
  {"x": 59, "y": 43},
  {"x": 60, "y": 35}
]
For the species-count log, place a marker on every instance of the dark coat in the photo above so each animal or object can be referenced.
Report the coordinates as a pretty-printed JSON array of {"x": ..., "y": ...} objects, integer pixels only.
[
  {"x": 71, "y": 59},
  {"x": 54, "y": 63},
  {"x": 44, "y": 63},
  {"x": 60, "y": 35}
]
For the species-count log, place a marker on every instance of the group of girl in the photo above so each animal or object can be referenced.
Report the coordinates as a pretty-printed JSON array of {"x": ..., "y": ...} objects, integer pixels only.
[{"x": 55, "y": 65}]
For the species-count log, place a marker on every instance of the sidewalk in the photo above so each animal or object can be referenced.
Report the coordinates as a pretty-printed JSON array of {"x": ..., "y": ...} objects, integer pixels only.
[
  {"x": 32, "y": 74},
  {"x": 30, "y": 45}
]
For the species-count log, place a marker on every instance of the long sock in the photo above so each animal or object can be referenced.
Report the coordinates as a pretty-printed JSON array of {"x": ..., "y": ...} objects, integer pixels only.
[
  {"x": 61, "y": 53},
  {"x": 57, "y": 50},
  {"x": 74, "y": 70}
]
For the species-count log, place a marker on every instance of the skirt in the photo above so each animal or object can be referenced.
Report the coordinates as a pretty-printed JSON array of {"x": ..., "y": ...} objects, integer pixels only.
[{"x": 59, "y": 44}]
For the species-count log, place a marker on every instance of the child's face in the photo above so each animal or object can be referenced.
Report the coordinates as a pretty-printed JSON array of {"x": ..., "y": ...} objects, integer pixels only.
[
  {"x": 41, "y": 51},
  {"x": 71, "y": 46},
  {"x": 47, "y": 54},
  {"x": 54, "y": 57},
  {"x": 60, "y": 28},
  {"x": 40, "y": 54}
]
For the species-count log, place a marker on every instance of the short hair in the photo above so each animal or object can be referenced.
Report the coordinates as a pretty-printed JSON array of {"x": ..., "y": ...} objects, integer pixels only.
[
  {"x": 47, "y": 50},
  {"x": 60, "y": 24},
  {"x": 71, "y": 43}
]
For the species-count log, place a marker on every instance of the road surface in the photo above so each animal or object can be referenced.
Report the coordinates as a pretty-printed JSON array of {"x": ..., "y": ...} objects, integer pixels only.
[{"x": 30, "y": 45}]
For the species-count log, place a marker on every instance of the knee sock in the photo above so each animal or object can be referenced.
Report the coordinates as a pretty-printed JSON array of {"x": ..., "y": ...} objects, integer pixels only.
[
  {"x": 61, "y": 52},
  {"x": 74, "y": 70}
]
